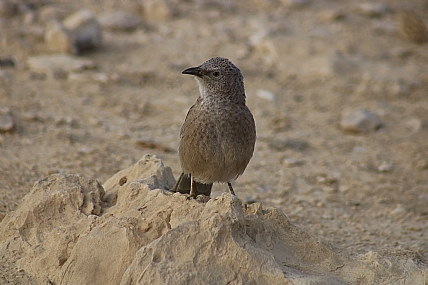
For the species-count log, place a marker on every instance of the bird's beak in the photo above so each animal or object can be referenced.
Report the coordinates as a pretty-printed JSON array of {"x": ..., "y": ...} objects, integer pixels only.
[{"x": 193, "y": 71}]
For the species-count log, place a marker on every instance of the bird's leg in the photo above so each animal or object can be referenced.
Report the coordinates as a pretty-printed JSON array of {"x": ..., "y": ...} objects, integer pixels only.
[
  {"x": 192, "y": 186},
  {"x": 231, "y": 189}
]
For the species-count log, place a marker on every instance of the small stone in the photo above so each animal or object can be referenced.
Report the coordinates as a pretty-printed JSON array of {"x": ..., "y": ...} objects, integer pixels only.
[
  {"x": 85, "y": 29},
  {"x": 58, "y": 38},
  {"x": 385, "y": 167},
  {"x": 52, "y": 64},
  {"x": 411, "y": 27},
  {"x": 156, "y": 10},
  {"x": 413, "y": 124},
  {"x": 290, "y": 162},
  {"x": 6, "y": 123},
  {"x": 265, "y": 94},
  {"x": 7, "y": 62},
  {"x": 119, "y": 20},
  {"x": 360, "y": 121},
  {"x": 399, "y": 210},
  {"x": 372, "y": 9}
]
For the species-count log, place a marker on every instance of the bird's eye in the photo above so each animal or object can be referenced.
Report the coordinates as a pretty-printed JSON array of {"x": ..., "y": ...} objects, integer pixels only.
[{"x": 216, "y": 74}]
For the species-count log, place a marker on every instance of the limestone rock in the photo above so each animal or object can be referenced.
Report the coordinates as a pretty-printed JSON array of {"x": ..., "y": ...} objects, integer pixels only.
[
  {"x": 360, "y": 120},
  {"x": 6, "y": 123},
  {"x": 119, "y": 20},
  {"x": 371, "y": 9},
  {"x": 59, "y": 39},
  {"x": 63, "y": 233}
]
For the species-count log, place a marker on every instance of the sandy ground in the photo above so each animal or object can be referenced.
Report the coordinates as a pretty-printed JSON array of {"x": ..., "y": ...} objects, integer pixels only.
[{"x": 358, "y": 191}]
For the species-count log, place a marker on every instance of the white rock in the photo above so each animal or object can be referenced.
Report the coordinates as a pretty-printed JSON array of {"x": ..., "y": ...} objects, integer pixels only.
[
  {"x": 413, "y": 124},
  {"x": 59, "y": 39},
  {"x": 374, "y": 9},
  {"x": 51, "y": 64},
  {"x": 119, "y": 20},
  {"x": 385, "y": 166},
  {"x": 6, "y": 123},
  {"x": 360, "y": 120},
  {"x": 265, "y": 94}
]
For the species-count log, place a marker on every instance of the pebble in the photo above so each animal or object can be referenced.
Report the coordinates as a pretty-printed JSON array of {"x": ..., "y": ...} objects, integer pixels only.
[
  {"x": 290, "y": 162},
  {"x": 119, "y": 20},
  {"x": 6, "y": 123},
  {"x": 7, "y": 62},
  {"x": 372, "y": 9},
  {"x": 52, "y": 64},
  {"x": 156, "y": 10},
  {"x": 360, "y": 120},
  {"x": 411, "y": 27},
  {"x": 58, "y": 38},
  {"x": 413, "y": 124},
  {"x": 385, "y": 166},
  {"x": 265, "y": 94},
  {"x": 85, "y": 29}
]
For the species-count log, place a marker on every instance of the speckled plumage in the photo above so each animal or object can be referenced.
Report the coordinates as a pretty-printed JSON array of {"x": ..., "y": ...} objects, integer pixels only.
[{"x": 218, "y": 135}]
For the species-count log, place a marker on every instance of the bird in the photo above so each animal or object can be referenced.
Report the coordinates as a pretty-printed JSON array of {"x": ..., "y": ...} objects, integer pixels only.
[{"x": 218, "y": 135}]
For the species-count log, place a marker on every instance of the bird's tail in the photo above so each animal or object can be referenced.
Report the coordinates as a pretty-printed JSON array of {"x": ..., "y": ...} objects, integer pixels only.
[{"x": 183, "y": 186}]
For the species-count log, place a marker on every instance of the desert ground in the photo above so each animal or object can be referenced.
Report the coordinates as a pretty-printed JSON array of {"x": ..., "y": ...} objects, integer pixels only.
[{"x": 306, "y": 64}]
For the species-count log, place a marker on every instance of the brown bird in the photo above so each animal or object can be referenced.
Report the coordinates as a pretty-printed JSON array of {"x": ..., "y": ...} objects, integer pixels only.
[{"x": 218, "y": 135}]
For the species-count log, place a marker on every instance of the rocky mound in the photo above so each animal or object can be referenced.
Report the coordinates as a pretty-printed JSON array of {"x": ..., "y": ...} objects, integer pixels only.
[{"x": 71, "y": 230}]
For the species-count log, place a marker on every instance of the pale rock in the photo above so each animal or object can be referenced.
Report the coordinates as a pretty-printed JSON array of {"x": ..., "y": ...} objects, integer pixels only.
[
  {"x": 413, "y": 124},
  {"x": 51, "y": 64},
  {"x": 59, "y": 39},
  {"x": 385, "y": 166},
  {"x": 372, "y": 9},
  {"x": 85, "y": 29},
  {"x": 6, "y": 123},
  {"x": 65, "y": 233},
  {"x": 156, "y": 10},
  {"x": 119, "y": 20},
  {"x": 265, "y": 94},
  {"x": 360, "y": 120}
]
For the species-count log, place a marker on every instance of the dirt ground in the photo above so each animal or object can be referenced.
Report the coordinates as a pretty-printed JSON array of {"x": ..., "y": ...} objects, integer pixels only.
[{"x": 318, "y": 59}]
